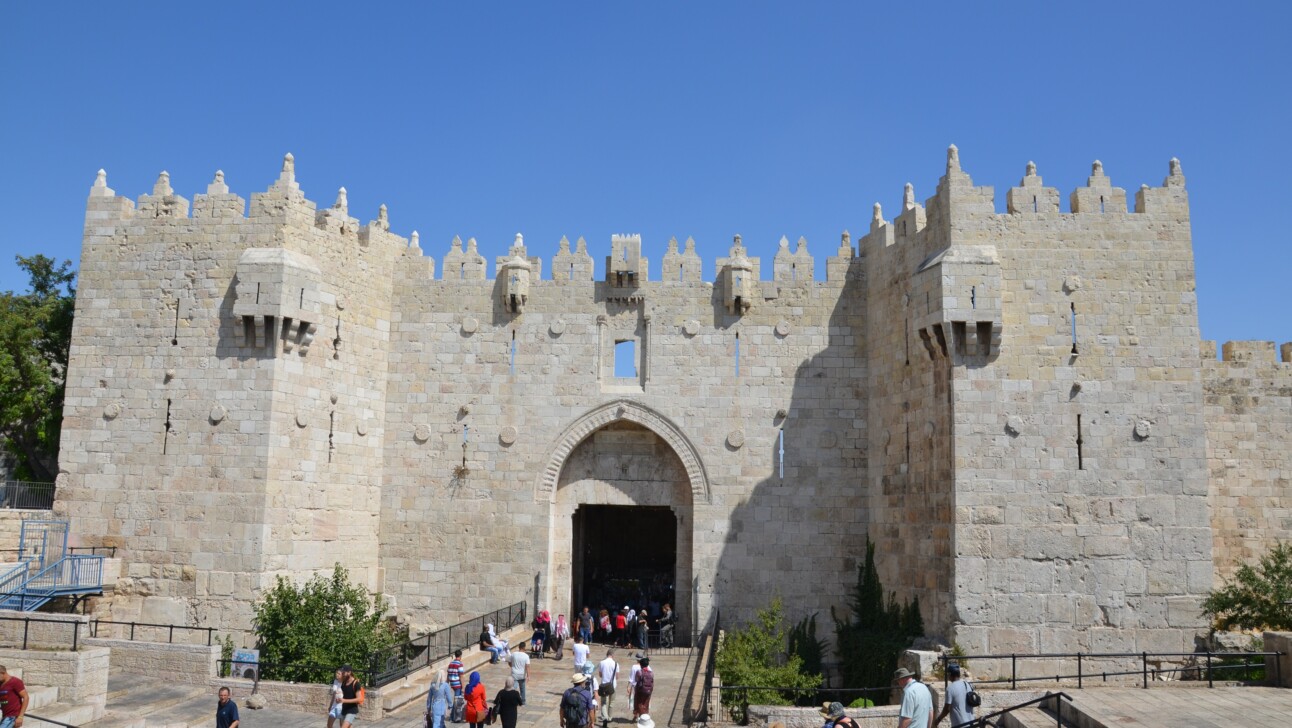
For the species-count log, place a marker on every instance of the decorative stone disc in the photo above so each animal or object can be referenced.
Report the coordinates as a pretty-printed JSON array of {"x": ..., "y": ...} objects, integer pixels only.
[
  {"x": 217, "y": 414},
  {"x": 340, "y": 303},
  {"x": 507, "y": 435},
  {"x": 302, "y": 417},
  {"x": 470, "y": 325},
  {"x": 736, "y": 439},
  {"x": 1143, "y": 429},
  {"x": 422, "y": 433},
  {"x": 1014, "y": 425},
  {"x": 691, "y": 328},
  {"x": 333, "y": 397},
  {"x": 782, "y": 328},
  {"x": 557, "y": 328},
  {"x": 112, "y": 411},
  {"x": 1072, "y": 283},
  {"x": 361, "y": 427}
]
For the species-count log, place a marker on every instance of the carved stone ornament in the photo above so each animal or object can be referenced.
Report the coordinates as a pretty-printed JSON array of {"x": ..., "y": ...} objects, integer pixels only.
[
  {"x": 218, "y": 413},
  {"x": 1143, "y": 429},
  {"x": 112, "y": 411},
  {"x": 332, "y": 397},
  {"x": 928, "y": 430},
  {"x": 361, "y": 427},
  {"x": 557, "y": 328},
  {"x": 302, "y": 416},
  {"x": 422, "y": 433},
  {"x": 736, "y": 439},
  {"x": 1072, "y": 283},
  {"x": 470, "y": 325},
  {"x": 507, "y": 435},
  {"x": 340, "y": 303},
  {"x": 782, "y": 328},
  {"x": 1014, "y": 425},
  {"x": 691, "y": 328}
]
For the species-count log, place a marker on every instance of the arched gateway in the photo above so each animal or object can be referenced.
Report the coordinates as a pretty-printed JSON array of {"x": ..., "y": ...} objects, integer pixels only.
[{"x": 622, "y": 484}]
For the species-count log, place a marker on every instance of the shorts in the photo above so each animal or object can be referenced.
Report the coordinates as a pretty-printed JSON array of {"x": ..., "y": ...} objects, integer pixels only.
[
  {"x": 349, "y": 718},
  {"x": 335, "y": 712}
]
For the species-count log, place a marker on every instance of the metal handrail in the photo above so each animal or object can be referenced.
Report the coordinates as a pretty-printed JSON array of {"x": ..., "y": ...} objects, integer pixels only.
[
  {"x": 26, "y": 628},
  {"x": 94, "y": 630},
  {"x": 94, "y": 550},
  {"x": 225, "y": 667},
  {"x": 984, "y": 720},
  {"x": 27, "y": 495},
  {"x": 51, "y": 721},
  {"x": 1143, "y": 672},
  {"x": 391, "y": 664}
]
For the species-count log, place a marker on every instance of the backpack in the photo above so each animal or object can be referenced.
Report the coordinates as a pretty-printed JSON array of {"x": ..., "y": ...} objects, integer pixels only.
[
  {"x": 646, "y": 682},
  {"x": 972, "y": 699},
  {"x": 574, "y": 709}
]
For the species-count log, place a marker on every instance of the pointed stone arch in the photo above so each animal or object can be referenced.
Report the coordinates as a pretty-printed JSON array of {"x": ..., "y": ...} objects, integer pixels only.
[{"x": 615, "y": 411}]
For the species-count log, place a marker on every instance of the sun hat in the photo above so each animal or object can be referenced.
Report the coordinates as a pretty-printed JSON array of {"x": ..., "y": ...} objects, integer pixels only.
[
  {"x": 901, "y": 673},
  {"x": 644, "y": 721},
  {"x": 578, "y": 677},
  {"x": 832, "y": 710}
]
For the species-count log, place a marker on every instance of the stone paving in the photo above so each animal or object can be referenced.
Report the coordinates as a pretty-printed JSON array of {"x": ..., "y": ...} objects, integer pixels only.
[{"x": 1196, "y": 707}]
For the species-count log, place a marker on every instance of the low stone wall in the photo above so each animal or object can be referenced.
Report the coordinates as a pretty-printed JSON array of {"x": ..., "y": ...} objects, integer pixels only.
[
  {"x": 42, "y": 630},
  {"x": 762, "y": 716},
  {"x": 303, "y": 697},
  {"x": 81, "y": 676},
  {"x": 189, "y": 664},
  {"x": 1278, "y": 670}
]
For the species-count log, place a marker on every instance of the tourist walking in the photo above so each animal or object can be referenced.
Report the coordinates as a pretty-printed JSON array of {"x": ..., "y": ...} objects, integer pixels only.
[
  {"x": 507, "y": 703},
  {"x": 621, "y": 627},
  {"x": 334, "y": 700},
  {"x": 957, "y": 701},
  {"x": 835, "y": 717},
  {"x": 455, "y": 673},
  {"x": 666, "y": 622},
  {"x": 643, "y": 685},
  {"x": 585, "y": 625},
  {"x": 581, "y": 652},
  {"x": 226, "y": 711},
  {"x": 14, "y": 700},
  {"x": 643, "y": 630},
  {"x": 917, "y": 701},
  {"x": 477, "y": 708},
  {"x": 519, "y": 662},
  {"x": 577, "y": 703},
  {"x": 606, "y": 676},
  {"x": 352, "y": 696},
  {"x": 438, "y": 701},
  {"x": 604, "y": 630},
  {"x": 560, "y": 633}
]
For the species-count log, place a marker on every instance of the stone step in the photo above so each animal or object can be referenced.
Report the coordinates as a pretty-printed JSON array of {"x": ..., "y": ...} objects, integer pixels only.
[
  {"x": 415, "y": 688},
  {"x": 77, "y": 714},
  {"x": 40, "y": 697}
]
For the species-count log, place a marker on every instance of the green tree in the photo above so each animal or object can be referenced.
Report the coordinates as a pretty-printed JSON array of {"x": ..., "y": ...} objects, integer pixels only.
[
  {"x": 1257, "y": 597},
  {"x": 325, "y": 622},
  {"x": 757, "y": 656},
  {"x": 35, "y": 336},
  {"x": 871, "y": 640}
]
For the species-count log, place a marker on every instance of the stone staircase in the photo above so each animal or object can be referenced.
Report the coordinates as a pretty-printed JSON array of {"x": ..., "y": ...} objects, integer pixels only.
[
  {"x": 44, "y": 702},
  {"x": 141, "y": 702}
]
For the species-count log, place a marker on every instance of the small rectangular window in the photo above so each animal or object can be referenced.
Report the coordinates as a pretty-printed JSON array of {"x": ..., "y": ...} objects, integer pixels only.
[{"x": 626, "y": 359}]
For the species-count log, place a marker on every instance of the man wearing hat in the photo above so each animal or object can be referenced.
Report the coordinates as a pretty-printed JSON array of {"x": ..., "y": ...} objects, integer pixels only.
[
  {"x": 835, "y": 717},
  {"x": 917, "y": 701},
  {"x": 957, "y": 700},
  {"x": 576, "y": 703}
]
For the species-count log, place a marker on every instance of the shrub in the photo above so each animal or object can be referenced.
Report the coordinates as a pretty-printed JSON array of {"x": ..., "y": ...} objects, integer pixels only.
[
  {"x": 757, "y": 655},
  {"x": 1255, "y": 598},
  {"x": 322, "y": 624},
  {"x": 870, "y": 642}
]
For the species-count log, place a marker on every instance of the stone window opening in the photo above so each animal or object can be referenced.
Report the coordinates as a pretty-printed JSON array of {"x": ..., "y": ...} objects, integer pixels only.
[
  {"x": 1034, "y": 205},
  {"x": 257, "y": 293},
  {"x": 781, "y": 459},
  {"x": 1073, "y": 307},
  {"x": 1101, "y": 204},
  {"x": 973, "y": 297},
  {"x": 166, "y": 432},
  {"x": 1081, "y": 464},
  {"x": 737, "y": 353},
  {"x": 336, "y": 343},
  {"x": 625, "y": 359},
  {"x": 681, "y": 273},
  {"x": 174, "y": 340},
  {"x": 462, "y": 272},
  {"x": 794, "y": 272},
  {"x": 331, "y": 429},
  {"x": 512, "y": 363}
]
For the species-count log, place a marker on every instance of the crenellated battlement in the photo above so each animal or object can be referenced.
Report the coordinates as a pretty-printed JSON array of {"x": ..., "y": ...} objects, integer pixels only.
[{"x": 1243, "y": 353}]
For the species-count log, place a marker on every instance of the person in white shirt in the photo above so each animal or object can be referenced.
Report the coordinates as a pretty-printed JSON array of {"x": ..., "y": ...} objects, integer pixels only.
[
  {"x": 581, "y": 652},
  {"x": 606, "y": 680},
  {"x": 917, "y": 701}
]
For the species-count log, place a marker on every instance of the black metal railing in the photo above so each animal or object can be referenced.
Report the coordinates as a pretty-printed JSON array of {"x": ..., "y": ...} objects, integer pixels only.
[
  {"x": 736, "y": 699},
  {"x": 32, "y": 716},
  {"x": 25, "y": 642},
  {"x": 391, "y": 664},
  {"x": 1205, "y": 666},
  {"x": 709, "y": 636},
  {"x": 140, "y": 631},
  {"x": 109, "y": 551},
  {"x": 990, "y": 719},
  {"x": 19, "y": 554},
  {"x": 27, "y": 495}
]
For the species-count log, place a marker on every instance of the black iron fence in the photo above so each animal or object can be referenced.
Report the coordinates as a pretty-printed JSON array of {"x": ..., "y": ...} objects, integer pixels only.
[
  {"x": 151, "y": 632},
  {"x": 389, "y": 665},
  {"x": 992, "y": 719},
  {"x": 1145, "y": 667},
  {"x": 108, "y": 551},
  {"x": 47, "y": 633},
  {"x": 27, "y": 495}
]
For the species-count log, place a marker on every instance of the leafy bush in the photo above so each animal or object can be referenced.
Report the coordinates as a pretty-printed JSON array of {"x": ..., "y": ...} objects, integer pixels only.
[
  {"x": 804, "y": 643},
  {"x": 226, "y": 654},
  {"x": 323, "y": 623},
  {"x": 870, "y": 642},
  {"x": 758, "y": 656},
  {"x": 862, "y": 703},
  {"x": 1255, "y": 598}
]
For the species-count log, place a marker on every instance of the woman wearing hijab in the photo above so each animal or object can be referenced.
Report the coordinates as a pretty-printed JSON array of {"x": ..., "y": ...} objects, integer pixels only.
[
  {"x": 498, "y": 642},
  {"x": 560, "y": 633},
  {"x": 508, "y": 702},
  {"x": 477, "y": 709},
  {"x": 438, "y": 700}
]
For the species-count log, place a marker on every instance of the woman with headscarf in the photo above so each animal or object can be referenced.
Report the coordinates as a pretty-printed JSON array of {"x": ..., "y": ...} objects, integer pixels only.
[
  {"x": 438, "y": 700},
  {"x": 560, "y": 633},
  {"x": 477, "y": 709},
  {"x": 507, "y": 702},
  {"x": 500, "y": 643}
]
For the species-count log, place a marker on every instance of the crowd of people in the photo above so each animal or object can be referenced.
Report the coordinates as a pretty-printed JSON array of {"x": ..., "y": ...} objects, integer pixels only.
[{"x": 628, "y": 627}]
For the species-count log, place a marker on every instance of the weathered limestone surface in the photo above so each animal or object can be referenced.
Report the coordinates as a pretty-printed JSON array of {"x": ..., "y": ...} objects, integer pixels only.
[{"x": 1014, "y": 406}]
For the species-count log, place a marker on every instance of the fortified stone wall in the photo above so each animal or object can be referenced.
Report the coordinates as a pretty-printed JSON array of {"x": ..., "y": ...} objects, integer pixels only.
[{"x": 1249, "y": 449}]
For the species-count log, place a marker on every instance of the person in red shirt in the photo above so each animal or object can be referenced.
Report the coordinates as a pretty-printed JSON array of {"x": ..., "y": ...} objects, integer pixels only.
[
  {"x": 13, "y": 700},
  {"x": 621, "y": 627}
]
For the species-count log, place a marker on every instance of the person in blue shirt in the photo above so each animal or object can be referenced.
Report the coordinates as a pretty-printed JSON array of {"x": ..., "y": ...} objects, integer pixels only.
[{"x": 226, "y": 712}]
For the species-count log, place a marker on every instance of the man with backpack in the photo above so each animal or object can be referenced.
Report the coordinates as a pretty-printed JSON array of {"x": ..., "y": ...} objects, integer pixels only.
[
  {"x": 642, "y": 684},
  {"x": 959, "y": 704},
  {"x": 576, "y": 703}
]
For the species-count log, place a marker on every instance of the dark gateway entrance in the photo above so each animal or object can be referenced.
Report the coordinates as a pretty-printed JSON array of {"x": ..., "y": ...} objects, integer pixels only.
[{"x": 624, "y": 555}]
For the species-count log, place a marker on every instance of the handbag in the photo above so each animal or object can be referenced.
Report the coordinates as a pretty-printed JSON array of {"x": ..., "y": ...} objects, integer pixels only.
[
  {"x": 492, "y": 715},
  {"x": 972, "y": 699},
  {"x": 607, "y": 688}
]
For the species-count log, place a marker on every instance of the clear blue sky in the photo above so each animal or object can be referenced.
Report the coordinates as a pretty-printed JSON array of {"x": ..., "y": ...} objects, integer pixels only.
[{"x": 700, "y": 119}]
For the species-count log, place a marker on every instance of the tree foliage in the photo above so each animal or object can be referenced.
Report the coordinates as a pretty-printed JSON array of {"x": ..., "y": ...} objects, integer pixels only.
[
  {"x": 807, "y": 646},
  {"x": 35, "y": 336},
  {"x": 758, "y": 655},
  {"x": 871, "y": 640},
  {"x": 1256, "y": 597},
  {"x": 325, "y": 622}
]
